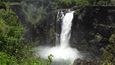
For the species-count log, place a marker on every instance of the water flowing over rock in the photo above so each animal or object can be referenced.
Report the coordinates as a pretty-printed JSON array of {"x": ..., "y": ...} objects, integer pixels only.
[
  {"x": 62, "y": 53},
  {"x": 66, "y": 29}
]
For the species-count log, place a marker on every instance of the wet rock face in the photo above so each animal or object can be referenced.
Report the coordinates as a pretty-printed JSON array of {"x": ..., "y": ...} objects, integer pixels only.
[
  {"x": 90, "y": 33},
  {"x": 86, "y": 62},
  {"x": 92, "y": 29}
]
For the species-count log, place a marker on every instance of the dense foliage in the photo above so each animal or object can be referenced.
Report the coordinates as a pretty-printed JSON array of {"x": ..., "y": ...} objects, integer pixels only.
[
  {"x": 87, "y": 2},
  {"x": 15, "y": 51}
]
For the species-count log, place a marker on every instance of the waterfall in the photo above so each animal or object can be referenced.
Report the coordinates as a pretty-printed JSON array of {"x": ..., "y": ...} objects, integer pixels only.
[
  {"x": 63, "y": 54},
  {"x": 66, "y": 29}
]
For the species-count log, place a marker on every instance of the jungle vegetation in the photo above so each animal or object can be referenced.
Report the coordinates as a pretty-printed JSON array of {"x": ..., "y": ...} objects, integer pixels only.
[{"x": 14, "y": 50}]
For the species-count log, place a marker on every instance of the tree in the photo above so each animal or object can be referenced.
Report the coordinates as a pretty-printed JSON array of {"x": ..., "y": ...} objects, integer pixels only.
[{"x": 11, "y": 32}]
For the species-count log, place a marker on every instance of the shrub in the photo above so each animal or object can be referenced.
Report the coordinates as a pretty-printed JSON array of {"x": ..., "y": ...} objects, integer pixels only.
[{"x": 6, "y": 59}]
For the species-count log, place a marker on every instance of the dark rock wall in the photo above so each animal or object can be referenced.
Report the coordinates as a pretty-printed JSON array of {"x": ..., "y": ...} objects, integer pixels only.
[
  {"x": 90, "y": 33},
  {"x": 92, "y": 29}
]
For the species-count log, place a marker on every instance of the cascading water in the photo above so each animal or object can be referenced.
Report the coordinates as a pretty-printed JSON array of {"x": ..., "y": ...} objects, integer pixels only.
[
  {"x": 66, "y": 29},
  {"x": 63, "y": 54}
]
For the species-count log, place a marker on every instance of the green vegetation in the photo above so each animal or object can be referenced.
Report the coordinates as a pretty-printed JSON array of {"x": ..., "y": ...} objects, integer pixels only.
[
  {"x": 87, "y": 2},
  {"x": 13, "y": 49},
  {"x": 6, "y": 59}
]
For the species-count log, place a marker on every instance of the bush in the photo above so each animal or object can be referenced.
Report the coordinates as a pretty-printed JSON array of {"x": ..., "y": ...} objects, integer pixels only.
[
  {"x": 13, "y": 49},
  {"x": 6, "y": 59},
  {"x": 11, "y": 32}
]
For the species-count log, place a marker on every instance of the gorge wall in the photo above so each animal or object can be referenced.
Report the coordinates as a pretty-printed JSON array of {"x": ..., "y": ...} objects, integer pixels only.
[{"x": 91, "y": 30}]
